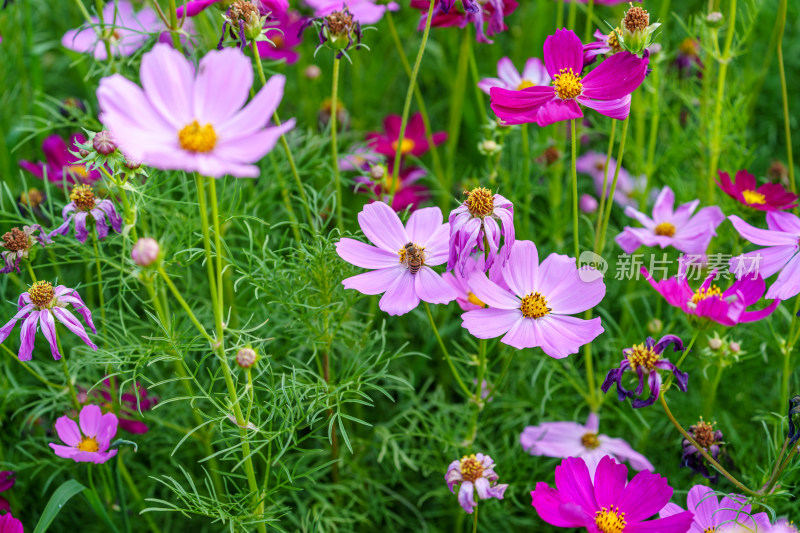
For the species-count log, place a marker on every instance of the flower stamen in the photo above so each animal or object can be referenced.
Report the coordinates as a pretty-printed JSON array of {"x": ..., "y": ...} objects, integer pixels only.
[
  {"x": 471, "y": 468},
  {"x": 534, "y": 305},
  {"x": 524, "y": 84},
  {"x": 42, "y": 294},
  {"x": 480, "y": 202},
  {"x": 702, "y": 294},
  {"x": 406, "y": 145},
  {"x": 568, "y": 84},
  {"x": 83, "y": 197},
  {"x": 610, "y": 520},
  {"x": 474, "y": 299},
  {"x": 590, "y": 441},
  {"x": 665, "y": 229},
  {"x": 754, "y": 197},
  {"x": 643, "y": 356},
  {"x": 196, "y": 138},
  {"x": 88, "y": 444}
]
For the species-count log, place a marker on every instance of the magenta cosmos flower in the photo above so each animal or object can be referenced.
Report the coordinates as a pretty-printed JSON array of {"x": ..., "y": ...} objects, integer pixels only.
[
  {"x": 9, "y": 524},
  {"x": 90, "y": 443},
  {"x": 475, "y": 266},
  {"x": 782, "y": 241},
  {"x": 39, "y": 307},
  {"x": 482, "y": 218},
  {"x": 604, "y": 43},
  {"x": 130, "y": 405},
  {"x": 84, "y": 204},
  {"x": 509, "y": 78},
  {"x": 128, "y": 31},
  {"x": 488, "y": 16},
  {"x": 178, "y": 121},
  {"x": 474, "y": 473},
  {"x": 284, "y": 41},
  {"x": 680, "y": 228},
  {"x": 570, "y": 439},
  {"x": 194, "y": 7},
  {"x": 408, "y": 194},
  {"x": 535, "y": 311},
  {"x": 7, "y": 480},
  {"x": 364, "y": 11},
  {"x": 606, "y": 89},
  {"x": 60, "y": 165},
  {"x": 711, "y": 514},
  {"x": 609, "y": 504},
  {"x": 414, "y": 142},
  {"x": 745, "y": 190},
  {"x": 594, "y": 164},
  {"x": 710, "y": 302},
  {"x": 401, "y": 258}
]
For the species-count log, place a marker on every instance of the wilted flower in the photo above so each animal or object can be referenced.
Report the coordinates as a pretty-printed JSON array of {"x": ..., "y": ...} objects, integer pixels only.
[
  {"x": 145, "y": 251},
  {"x": 18, "y": 244},
  {"x": 38, "y": 307},
  {"x": 125, "y": 31},
  {"x": 245, "y": 22},
  {"x": 710, "y": 440},
  {"x": 408, "y": 194},
  {"x": 509, "y": 78},
  {"x": 246, "y": 357},
  {"x": 7, "y": 480},
  {"x": 414, "y": 142},
  {"x": 193, "y": 7},
  {"x": 84, "y": 204},
  {"x": 60, "y": 165},
  {"x": 338, "y": 31},
  {"x": 768, "y": 197},
  {"x": 689, "y": 57},
  {"x": 474, "y": 225},
  {"x": 488, "y": 16},
  {"x": 602, "y": 45},
  {"x": 646, "y": 360},
  {"x": 365, "y": 11},
  {"x": 475, "y": 473},
  {"x": 794, "y": 420},
  {"x": 711, "y": 514},
  {"x": 90, "y": 443}
]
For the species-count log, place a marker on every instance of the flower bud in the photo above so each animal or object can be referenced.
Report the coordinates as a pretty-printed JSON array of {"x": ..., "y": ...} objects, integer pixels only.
[
  {"x": 377, "y": 172},
  {"x": 312, "y": 72},
  {"x": 714, "y": 19},
  {"x": 246, "y": 357},
  {"x": 104, "y": 142},
  {"x": 83, "y": 152},
  {"x": 588, "y": 203},
  {"x": 132, "y": 164},
  {"x": 715, "y": 343},
  {"x": 735, "y": 347},
  {"x": 489, "y": 147},
  {"x": 145, "y": 252},
  {"x": 655, "y": 326}
]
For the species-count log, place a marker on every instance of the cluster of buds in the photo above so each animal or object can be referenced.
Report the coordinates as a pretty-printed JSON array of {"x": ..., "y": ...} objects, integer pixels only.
[
  {"x": 101, "y": 150},
  {"x": 339, "y": 31},
  {"x": 494, "y": 134},
  {"x": 724, "y": 351},
  {"x": 244, "y": 21},
  {"x": 710, "y": 440},
  {"x": 635, "y": 32}
]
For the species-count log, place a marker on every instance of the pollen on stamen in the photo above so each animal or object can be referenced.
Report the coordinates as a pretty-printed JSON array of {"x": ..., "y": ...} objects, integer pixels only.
[
  {"x": 642, "y": 356},
  {"x": 88, "y": 444},
  {"x": 534, "y": 305},
  {"x": 480, "y": 202},
  {"x": 702, "y": 294},
  {"x": 41, "y": 294},
  {"x": 196, "y": 138},
  {"x": 610, "y": 520},
  {"x": 524, "y": 84},
  {"x": 754, "y": 197},
  {"x": 471, "y": 468},
  {"x": 590, "y": 441},
  {"x": 567, "y": 84},
  {"x": 83, "y": 197},
  {"x": 665, "y": 229}
]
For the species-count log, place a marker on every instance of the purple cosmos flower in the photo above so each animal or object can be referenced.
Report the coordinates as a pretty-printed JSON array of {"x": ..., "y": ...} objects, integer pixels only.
[
  {"x": 85, "y": 204},
  {"x": 60, "y": 164},
  {"x": 466, "y": 299},
  {"x": 609, "y": 503},
  {"x": 407, "y": 193},
  {"x": 488, "y": 16},
  {"x": 127, "y": 30},
  {"x": 594, "y": 164},
  {"x": 711, "y": 514},
  {"x": 284, "y": 41},
  {"x": 475, "y": 473},
  {"x": 194, "y": 7},
  {"x": 534, "y": 312},
  {"x": 9, "y": 524},
  {"x": 710, "y": 440},
  {"x": 588, "y": 203},
  {"x": 38, "y": 307},
  {"x": 783, "y": 525},
  {"x": 401, "y": 258},
  {"x": 782, "y": 240},
  {"x": 768, "y": 197},
  {"x": 365, "y": 11},
  {"x": 508, "y": 78},
  {"x": 414, "y": 143},
  {"x": 90, "y": 443},
  {"x": 570, "y": 439},
  {"x": 645, "y": 360},
  {"x": 606, "y": 89},
  {"x": 361, "y": 158},
  {"x": 130, "y": 404},
  {"x": 7, "y": 480},
  {"x": 672, "y": 227},
  {"x": 18, "y": 244},
  {"x": 179, "y": 122},
  {"x": 474, "y": 223},
  {"x": 710, "y": 302}
]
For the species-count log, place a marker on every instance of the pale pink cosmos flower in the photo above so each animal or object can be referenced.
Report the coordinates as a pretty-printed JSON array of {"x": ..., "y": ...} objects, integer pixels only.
[
  {"x": 90, "y": 442},
  {"x": 594, "y": 164},
  {"x": 474, "y": 266},
  {"x": 570, "y": 439},
  {"x": 193, "y": 120},
  {"x": 535, "y": 310},
  {"x": 364, "y": 11},
  {"x": 474, "y": 473},
  {"x": 730, "y": 515},
  {"x": 509, "y": 78},
  {"x": 401, "y": 258},
  {"x": 128, "y": 31},
  {"x": 680, "y": 228}
]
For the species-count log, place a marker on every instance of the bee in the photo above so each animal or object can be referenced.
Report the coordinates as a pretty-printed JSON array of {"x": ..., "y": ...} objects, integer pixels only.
[{"x": 414, "y": 257}]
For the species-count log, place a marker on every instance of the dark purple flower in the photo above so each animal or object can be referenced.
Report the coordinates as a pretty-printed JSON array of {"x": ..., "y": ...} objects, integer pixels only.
[
  {"x": 794, "y": 412},
  {"x": 83, "y": 205},
  {"x": 488, "y": 16},
  {"x": 710, "y": 440},
  {"x": 7, "y": 480}
]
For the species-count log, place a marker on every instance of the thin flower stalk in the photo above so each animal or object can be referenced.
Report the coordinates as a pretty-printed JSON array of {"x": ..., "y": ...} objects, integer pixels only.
[
  {"x": 621, "y": 152},
  {"x": 782, "y": 7},
  {"x": 73, "y": 394},
  {"x": 575, "y": 190},
  {"x": 603, "y": 191},
  {"x": 99, "y": 5},
  {"x": 334, "y": 146},
  {"x": 460, "y": 382},
  {"x": 100, "y": 296},
  {"x": 456, "y": 112},
  {"x": 173, "y": 24},
  {"x": 651, "y": 146}
]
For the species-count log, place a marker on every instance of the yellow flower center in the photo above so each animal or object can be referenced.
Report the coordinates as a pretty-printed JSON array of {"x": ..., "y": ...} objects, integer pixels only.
[
  {"x": 197, "y": 138},
  {"x": 412, "y": 254},
  {"x": 406, "y": 145},
  {"x": 480, "y": 202},
  {"x": 471, "y": 468},
  {"x": 753, "y": 197},
  {"x": 391, "y": 184},
  {"x": 702, "y": 294},
  {"x": 568, "y": 84},
  {"x": 88, "y": 444},
  {"x": 643, "y": 356},
  {"x": 42, "y": 294},
  {"x": 83, "y": 197},
  {"x": 689, "y": 47},
  {"x": 667, "y": 229},
  {"x": 613, "y": 42},
  {"x": 474, "y": 299},
  {"x": 534, "y": 305},
  {"x": 524, "y": 84},
  {"x": 78, "y": 170},
  {"x": 590, "y": 441},
  {"x": 610, "y": 520}
]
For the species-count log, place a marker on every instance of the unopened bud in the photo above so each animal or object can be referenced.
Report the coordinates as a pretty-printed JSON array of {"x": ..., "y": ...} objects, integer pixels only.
[
  {"x": 312, "y": 72},
  {"x": 83, "y": 152},
  {"x": 734, "y": 347},
  {"x": 654, "y": 326},
  {"x": 145, "y": 251},
  {"x": 132, "y": 164},
  {"x": 246, "y": 357},
  {"x": 377, "y": 172},
  {"x": 714, "y": 19},
  {"x": 715, "y": 344},
  {"x": 104, "y": 143}
]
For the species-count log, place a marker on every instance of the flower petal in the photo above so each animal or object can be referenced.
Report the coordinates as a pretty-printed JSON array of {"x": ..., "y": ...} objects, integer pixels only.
[
  {"x": 382, "y": 227},
  {"x": 221, "y": 72},
  {"x": 490, "y": 323},
  {"x": 431, "y": 288},
  {"x": 168, "y": 81},
  {"x": 563, "y": 50},
  {"x": 365, "y": 256}
]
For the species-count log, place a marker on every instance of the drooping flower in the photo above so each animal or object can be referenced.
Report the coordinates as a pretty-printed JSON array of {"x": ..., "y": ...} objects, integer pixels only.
[
  {"x": 594, "y": 164},
  {"x": 474, "y": 473},
  {"x": 60, "y": 165},
  {"x": 782, "y": 241},
  {"x": 17, "y": 245},
  {"x": 130, "y": 404},
  {"x": 7, "y": 480},
  {"x": 488, "y": 16},
  {"x": 535, "y": 310},
  {"x": 9, "y": 524},
  {"x": 680, "y": 228},
  {"x": 710, "y": 440},
  {"x": 570, "y": 439},
  {"x": 606, "y": 89},
  {"x": 284, "y": 31},
  {"x": 725, "y": 516},
  {"x": 646, "y": 360},
  {"x": 90, "y": 443},
  {"x": 509, "y": 78},
  {"x": 466, "y": 299},
  {"x": 408, "y": 194},
  {"x": 745, "y": 190},
  {"x": 414, "y": 142},
  {"x": 401, "y": 258},
  {"x": 194, "y": 7},
  {"x": 83, "y": 205},
  {"x": 794, "y": 413},
  {"x": 338, "y": 31},
  {"x": 609, "y": 503},
  {"x": 179, "y": 122},
  {"x": 39, "y": 306},
  {"x": 604, "y": 43},
  {"x": 474, "y": 224},
  {"x": 125, "y": 30}
]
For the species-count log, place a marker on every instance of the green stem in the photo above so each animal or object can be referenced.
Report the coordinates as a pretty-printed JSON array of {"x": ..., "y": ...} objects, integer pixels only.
[
  {"x": 95, "y": 240},
  {"x": 589, "y": 16},
  {"x": 688, "y": 348},
  {"x": 651, "y": 146},
  {"x": 456, "y": 113},
  {"x": 475, "y": 520},
  {"x": 711, "y": 397},
  {"x": 123, "y": 505},
  {"x": 575, "y": 192},
  {"x": 604, "y": 190},
  {"x": 479, "y": 95},
  {"x": 204, "y": 225},
  {"x": 212, "y": 186},
  {"x": 64, "y": 367},
  {"x": 173, "y": 23},
  {"x": 334, "y": 146},
  {"x": 182, "y": 302},
  {"x": 28, "y": 368},
  {"x": 98, "y": 4},
  {"x": 786, "y": 120},
  {"x": 126, "y": 475},
  {"x": 30, "y": 270},
  {"x": 526, "y": 154},
  {"x": 461, "y": 384},
  {"x": 610, "y": 202}
]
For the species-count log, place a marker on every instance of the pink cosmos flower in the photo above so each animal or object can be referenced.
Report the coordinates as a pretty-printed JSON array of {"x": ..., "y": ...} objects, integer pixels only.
[
  {"x": 84, "y": 204},
  {"x": 535, "y": 311},
  {"x": 364, "y": 11},
  {"x": 178, "y": 120},
  {"x": 508, "y": 78},
  {"x": 401, "y": 258},
  {"x": 482, "y": 218},
  {"x": 407, "y": 193},
  {"x": 782, "y": 241},
  {"x": 129, "y": 31},
  {"x": 194, "y": 7},
  {"x": 475, "y": 473},
  {"x": 130, "y": 405},
  {"x": 609, "y": 503},
  {"x": 570, "y": 439},
  {"x": 284, "y": 41},
  {"x": 7, "y": 480},
  {"x": 768, "y": 197},
  {"x": 593, "y": 164},
  {"x": 488, "y": 16},
  {"x": 606, "y": 89},
  {"x": 711, "y": 514},
  {"x": 60, "y": 164},
  {"x": 90, "y": 443},
  {"x": 9, "y": 524},
  {"x": 475, "y": 266},
  {"x": 38, "y": 307},
  {"x": 414, "y": 142},
  {"x": 710, "y": 302},
  {"x": 680, "y": 228}
]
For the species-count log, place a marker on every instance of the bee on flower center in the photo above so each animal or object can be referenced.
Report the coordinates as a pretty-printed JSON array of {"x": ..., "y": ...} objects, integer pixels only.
[{"x": 413, "y": 256}]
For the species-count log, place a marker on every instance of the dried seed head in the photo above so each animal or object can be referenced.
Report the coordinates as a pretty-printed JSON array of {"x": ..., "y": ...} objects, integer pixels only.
[
  {"x": 16, "y": 240},
  {"x": 340, "y": 22},
  {"x": 636, "y": 19}
]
